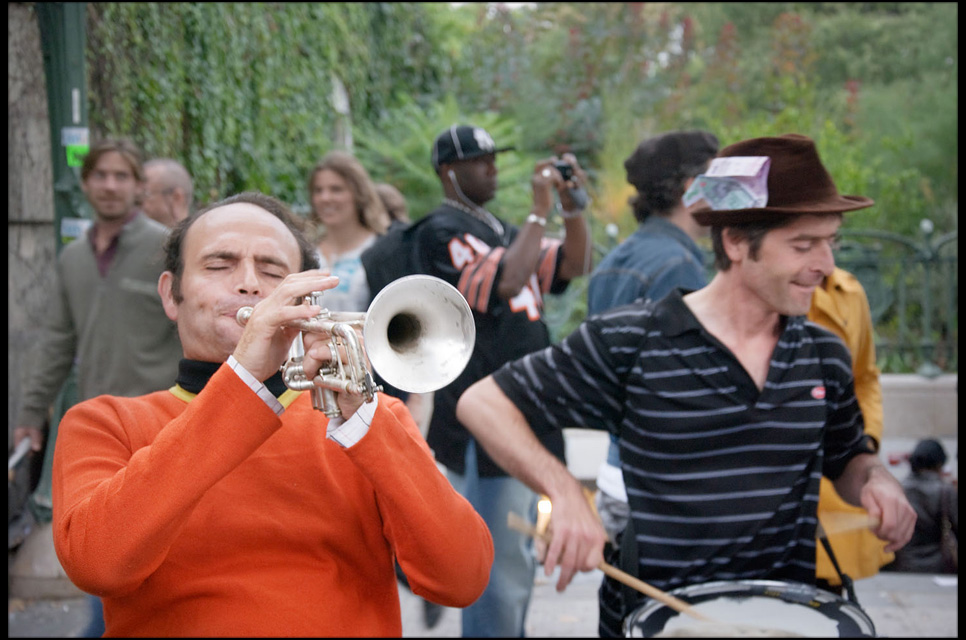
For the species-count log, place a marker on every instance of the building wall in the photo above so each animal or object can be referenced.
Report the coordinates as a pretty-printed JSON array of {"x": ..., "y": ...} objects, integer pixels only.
[{"x": 30, "y": 206}]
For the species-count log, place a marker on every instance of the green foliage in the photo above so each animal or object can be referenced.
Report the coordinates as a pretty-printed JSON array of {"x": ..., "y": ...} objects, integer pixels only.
[
  {"x": 242, "y": 94},
  {"x": 884, "y": 46},
  {"x": 872, "y": 136}
]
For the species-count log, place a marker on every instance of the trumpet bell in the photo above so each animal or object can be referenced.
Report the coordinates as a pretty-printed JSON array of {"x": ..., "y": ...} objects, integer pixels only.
[{"x": 419, "y": 333}]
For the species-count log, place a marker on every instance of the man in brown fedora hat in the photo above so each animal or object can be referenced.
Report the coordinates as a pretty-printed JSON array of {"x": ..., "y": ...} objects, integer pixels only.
[{"x": 728, "y": 405}]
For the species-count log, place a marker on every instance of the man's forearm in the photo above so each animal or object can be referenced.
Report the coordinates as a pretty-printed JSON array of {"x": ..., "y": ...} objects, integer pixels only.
[
  {"x": 520, "y": 261},
  {"x": 503, "y": 432},
  {"x": 577, "y": 254},
  {"x": 856, "y": 475},
  {"x": 868, "y": 484}
]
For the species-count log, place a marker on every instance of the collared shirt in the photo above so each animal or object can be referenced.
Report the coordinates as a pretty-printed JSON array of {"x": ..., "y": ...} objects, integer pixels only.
[
  {"x": 105, "y": 258},
  {"x": 722, "y": 478},
  {"x": 653, "y": 260},
  {"x": 345, "y": 432}
]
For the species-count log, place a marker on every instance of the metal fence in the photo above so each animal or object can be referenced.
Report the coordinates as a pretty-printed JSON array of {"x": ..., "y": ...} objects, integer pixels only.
[{"x": 911, "y": 284}]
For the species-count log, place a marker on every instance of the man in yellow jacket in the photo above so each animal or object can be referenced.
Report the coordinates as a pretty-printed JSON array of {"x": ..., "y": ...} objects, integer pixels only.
[{"x": 840, "y": 305}]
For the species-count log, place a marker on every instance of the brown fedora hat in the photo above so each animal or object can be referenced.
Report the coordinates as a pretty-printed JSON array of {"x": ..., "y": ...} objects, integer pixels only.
[{"x": 797, "y": 183}]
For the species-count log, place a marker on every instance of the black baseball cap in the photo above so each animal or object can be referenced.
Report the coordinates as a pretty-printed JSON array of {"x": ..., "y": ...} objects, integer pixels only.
[
  {"x": 463, "y": 142},
  {"x": 663, "y": 157}
]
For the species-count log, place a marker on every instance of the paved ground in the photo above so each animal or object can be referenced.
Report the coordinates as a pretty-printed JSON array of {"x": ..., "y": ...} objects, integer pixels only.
[{"x": 900, "y": 606}]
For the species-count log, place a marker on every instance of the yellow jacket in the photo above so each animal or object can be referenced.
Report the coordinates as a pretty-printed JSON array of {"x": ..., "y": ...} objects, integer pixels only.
[{"x": 841, "y": 306}]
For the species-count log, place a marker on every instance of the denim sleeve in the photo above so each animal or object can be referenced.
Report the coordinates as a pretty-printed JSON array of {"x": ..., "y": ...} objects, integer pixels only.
[
  {"x": 680, "y": 272},
  {"x": 615, "y": 287}
]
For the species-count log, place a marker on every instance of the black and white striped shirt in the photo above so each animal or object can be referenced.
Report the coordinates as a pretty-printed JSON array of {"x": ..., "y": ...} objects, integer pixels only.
[{"x": 722, "y": 479}]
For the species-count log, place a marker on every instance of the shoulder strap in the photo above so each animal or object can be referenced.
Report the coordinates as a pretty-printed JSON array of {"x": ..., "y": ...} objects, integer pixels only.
[
  {"x": 629, "y": 563},
  {"x": 844, "y": 577}
]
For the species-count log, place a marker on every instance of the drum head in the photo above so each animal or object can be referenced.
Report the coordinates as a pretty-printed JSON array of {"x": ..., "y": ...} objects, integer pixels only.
[{"x": 752, "y": 608}]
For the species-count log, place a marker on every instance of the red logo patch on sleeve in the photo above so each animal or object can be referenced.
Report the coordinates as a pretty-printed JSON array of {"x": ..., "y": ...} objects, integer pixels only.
[{"x": 818, "y": 393}]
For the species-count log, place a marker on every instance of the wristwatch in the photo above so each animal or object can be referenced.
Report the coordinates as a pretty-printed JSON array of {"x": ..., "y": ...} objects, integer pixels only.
[{"x": 535, "y": 218}]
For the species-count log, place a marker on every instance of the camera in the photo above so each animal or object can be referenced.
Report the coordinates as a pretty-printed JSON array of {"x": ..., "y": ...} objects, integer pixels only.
[{"x": 566, "y": 171}]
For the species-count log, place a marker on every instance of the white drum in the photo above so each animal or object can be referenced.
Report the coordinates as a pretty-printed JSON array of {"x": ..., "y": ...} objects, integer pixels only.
[{"x": 752, "y": 609}]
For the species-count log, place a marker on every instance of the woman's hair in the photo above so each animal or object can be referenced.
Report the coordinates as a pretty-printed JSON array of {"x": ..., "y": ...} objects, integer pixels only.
[
  {"x": 369, "y": 208},
  {"x": 394, "y": 201},
  {"x": 928, "y": 455}
]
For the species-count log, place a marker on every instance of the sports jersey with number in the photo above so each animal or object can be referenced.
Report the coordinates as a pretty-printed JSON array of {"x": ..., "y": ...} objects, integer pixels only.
[{"x": 468, "y": 253}]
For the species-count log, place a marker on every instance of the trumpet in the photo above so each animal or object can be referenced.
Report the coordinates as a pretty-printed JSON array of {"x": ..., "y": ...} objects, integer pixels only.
[{"x": 419, "y": 335}]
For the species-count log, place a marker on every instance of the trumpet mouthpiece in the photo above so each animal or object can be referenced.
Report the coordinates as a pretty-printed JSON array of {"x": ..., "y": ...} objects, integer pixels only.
[{"x": 243, "y": 315}]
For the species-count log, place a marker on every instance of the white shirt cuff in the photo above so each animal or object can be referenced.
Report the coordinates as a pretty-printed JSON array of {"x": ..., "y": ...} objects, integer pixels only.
[
  {"x": 348, "y": 432},
  {"x": 256, "y": 385},
  {"x": 610, "y": 480}
]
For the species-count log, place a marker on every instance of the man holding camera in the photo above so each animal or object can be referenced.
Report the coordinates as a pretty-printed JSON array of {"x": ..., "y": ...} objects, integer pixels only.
[{"x": 503, "y": 272}]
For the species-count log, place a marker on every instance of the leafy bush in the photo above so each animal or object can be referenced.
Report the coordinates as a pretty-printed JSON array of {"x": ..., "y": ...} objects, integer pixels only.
[{"x": 244, "y": 95}]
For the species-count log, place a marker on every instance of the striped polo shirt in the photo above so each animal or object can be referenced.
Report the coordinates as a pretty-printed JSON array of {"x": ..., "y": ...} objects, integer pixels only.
[{"x": 722, "y": 478}]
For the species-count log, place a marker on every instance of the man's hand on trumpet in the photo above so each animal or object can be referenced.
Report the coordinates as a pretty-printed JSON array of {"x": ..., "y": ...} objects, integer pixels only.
[
  {"x": 268, "y": 334},
  {"x": 318, "y": 352}
]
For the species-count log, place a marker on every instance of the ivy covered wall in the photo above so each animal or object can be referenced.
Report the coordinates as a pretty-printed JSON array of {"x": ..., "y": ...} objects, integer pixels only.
[{"x": 242, "y": 93}]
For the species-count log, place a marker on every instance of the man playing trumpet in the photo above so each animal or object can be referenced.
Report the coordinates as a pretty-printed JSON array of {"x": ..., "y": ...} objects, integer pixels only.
[{"x": 228, "y": 506}]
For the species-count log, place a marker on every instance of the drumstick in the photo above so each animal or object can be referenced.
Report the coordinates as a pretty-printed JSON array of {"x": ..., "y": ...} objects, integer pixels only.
[
  {"x": 517, "y": 523},
  {"x": 841, "y": 522}
]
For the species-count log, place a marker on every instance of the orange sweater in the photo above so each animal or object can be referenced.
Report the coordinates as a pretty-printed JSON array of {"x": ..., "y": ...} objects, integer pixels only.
[{"x": 215, "y": 517}]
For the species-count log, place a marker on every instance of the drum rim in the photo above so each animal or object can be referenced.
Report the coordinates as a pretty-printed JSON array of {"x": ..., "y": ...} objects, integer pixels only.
[{"x": 853, "y": 611}]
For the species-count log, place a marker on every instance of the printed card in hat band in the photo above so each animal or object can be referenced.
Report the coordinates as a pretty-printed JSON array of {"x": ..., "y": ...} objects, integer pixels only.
[{"x": 739, "y": 182}]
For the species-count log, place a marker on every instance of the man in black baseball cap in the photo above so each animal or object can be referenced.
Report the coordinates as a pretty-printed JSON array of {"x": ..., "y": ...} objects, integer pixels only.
[
  {"x": 503, "y": 271},
  {"x": 463, "y": 142}
]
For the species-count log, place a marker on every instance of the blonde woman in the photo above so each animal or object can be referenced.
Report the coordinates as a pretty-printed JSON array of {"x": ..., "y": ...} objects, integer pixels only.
[{"x": 350, "y": 216}]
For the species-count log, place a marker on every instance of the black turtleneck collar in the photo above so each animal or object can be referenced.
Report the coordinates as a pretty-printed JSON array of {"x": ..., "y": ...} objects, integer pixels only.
[{"x": 193, "y": 375}]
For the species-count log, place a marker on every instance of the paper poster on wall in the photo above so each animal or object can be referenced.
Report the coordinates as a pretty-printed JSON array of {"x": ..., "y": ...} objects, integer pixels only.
[{"x": 76, "y": 143}]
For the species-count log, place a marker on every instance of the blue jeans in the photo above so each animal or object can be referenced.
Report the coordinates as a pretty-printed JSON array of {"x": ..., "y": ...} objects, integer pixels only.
[
  {"x": 502, "y": 609},
  {"x": 95, "y": 628}
]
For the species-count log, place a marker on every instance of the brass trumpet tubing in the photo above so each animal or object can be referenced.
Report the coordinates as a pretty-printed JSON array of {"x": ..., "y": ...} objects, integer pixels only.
[
  {"x": 322, "y": 323},
  {"x": 293, "y": 375},
  {"x": 357, "y": 368},
  {"x": 419, "y": 333}
]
